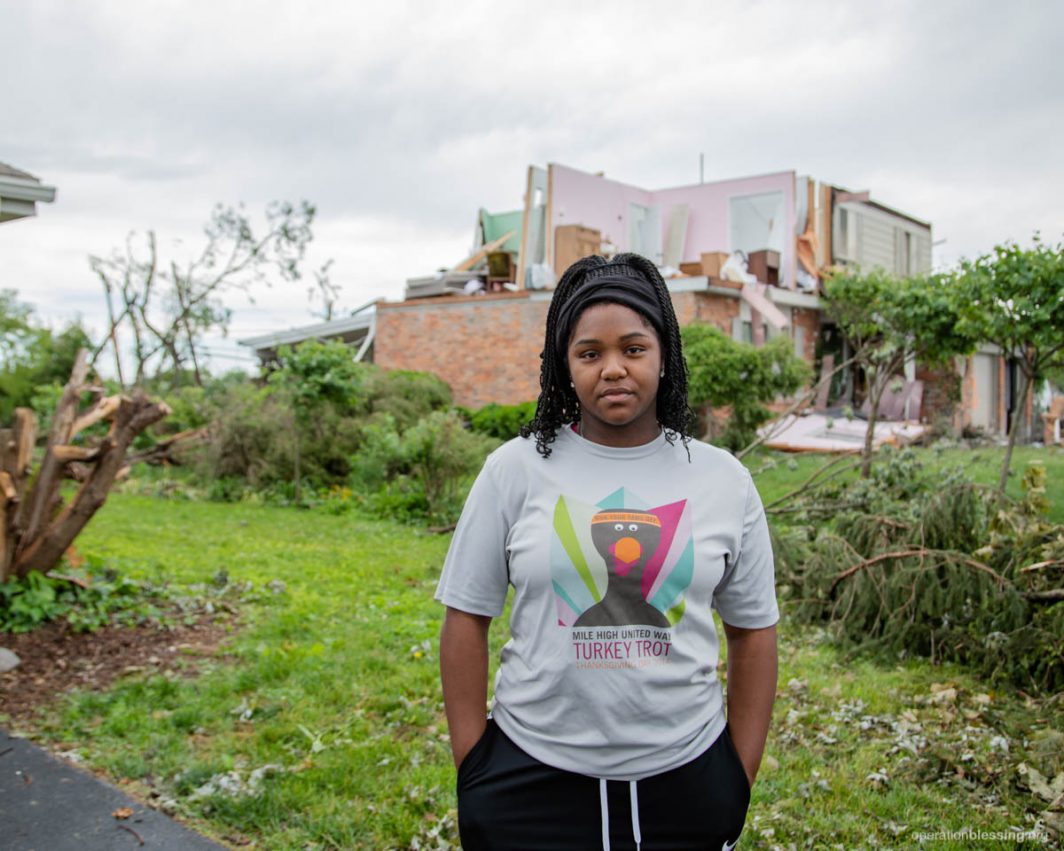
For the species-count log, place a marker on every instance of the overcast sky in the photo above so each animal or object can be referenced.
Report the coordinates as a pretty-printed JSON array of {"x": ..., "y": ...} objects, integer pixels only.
[{"x": 398, "y": 120}]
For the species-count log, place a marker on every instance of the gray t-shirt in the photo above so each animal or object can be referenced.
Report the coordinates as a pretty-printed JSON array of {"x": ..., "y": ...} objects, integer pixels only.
[{"x": 616, "y": 556}]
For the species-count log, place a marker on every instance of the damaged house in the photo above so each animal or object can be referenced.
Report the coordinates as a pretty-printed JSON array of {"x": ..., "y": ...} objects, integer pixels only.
[{"x": 479, "y": 324}]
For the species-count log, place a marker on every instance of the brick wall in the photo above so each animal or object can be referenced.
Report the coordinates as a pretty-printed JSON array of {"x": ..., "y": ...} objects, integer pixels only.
[
  {"x": 716, "y": 310},
  {"x": 944, "y": 392},
  {"x": 809, "y": 321},
  {"x": 485, "y": 347}
]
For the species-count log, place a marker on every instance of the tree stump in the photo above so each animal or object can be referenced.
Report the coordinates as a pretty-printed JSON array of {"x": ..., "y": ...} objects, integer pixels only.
[{"x": 36, "y": 525}]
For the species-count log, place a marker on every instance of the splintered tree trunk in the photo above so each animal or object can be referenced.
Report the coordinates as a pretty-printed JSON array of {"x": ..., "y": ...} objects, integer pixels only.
[
  {"x": 1017, "y": 417},
  {"x": 16, "y": 451},
  {"x": 875, "y": 393},
  {"x": 36, "y": 528}
]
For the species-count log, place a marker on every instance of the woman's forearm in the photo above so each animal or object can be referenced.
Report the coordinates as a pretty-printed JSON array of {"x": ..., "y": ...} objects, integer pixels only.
[
  {"x": 752, "y": 672},
  {"x": 464, "y": 674}
]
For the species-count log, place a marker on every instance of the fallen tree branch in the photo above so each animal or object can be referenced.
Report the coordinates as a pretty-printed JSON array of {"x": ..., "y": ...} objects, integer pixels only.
[
  {"x": 900, "y": 554},
  {"x": 819, "y": 472},
  {"x": 160, "y": 452},
  {"x": 1042, "y": 565},
  {"x": 1050, "y": 596}
]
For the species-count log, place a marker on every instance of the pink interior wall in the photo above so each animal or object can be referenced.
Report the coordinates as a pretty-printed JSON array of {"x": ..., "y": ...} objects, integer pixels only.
[
  {"x": 578, "y": 198},
  {"x": 708, "y": 228}
]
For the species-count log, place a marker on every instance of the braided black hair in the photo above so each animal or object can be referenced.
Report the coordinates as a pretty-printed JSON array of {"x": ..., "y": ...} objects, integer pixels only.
[{"x": 558, "y": 405}]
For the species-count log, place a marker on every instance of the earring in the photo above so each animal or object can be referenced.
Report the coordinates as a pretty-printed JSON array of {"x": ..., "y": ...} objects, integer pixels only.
[
  {"x": 572, "y": 385},
  {"x": 662, "y": 375}
]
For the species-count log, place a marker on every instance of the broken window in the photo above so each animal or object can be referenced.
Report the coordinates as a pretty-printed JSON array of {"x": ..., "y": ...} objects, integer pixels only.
[{"x": 756, "y": 222}]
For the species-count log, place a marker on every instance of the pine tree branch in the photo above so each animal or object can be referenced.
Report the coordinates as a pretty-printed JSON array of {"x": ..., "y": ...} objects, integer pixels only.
[{"x": 922, "y": 552}]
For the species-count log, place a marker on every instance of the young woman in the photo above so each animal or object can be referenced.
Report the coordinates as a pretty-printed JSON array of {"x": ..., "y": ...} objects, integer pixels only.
[{"x": 619, "y": 534}]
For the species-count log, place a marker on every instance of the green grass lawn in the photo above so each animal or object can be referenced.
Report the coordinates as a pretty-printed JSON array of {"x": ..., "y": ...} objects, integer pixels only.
[{"x": 334, "y": 683}]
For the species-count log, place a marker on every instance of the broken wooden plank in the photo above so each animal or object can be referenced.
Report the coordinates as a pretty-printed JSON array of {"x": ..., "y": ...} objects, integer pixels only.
[
  {"x": 825, "y": 258},
  {"x": 525, "y": 220},
  {"x": 473, "y": 259}
]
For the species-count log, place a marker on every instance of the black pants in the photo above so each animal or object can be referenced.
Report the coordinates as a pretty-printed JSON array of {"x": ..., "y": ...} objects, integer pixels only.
[{"x": 508, "y": 801}]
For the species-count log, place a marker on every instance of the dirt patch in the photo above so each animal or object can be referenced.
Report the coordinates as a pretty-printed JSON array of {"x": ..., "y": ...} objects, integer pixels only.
[{"x": 56, "y": 660}]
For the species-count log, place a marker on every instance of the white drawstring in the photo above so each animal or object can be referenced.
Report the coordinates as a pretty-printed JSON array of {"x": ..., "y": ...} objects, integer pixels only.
[
  {"x": 604, "y": 808},
  {"x": 635, "y": 815}
]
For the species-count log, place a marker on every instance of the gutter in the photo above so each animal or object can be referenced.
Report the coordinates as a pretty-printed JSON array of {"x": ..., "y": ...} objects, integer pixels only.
[{"x": 21, "y": 189}]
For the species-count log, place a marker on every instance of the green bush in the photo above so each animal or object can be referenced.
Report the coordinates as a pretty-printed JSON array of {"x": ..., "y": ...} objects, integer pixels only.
[
  {"x": 441, "y": 454},
  {"x": 724, "y": 373},
  {"x": 402, "y": 499},
  {"x": 380, "y": 455},
  {"x": 501, "y": 421},
  {"x": 406, "y": 396},
  {"x": 252, "y": 438},
  {"x": 420, "y": 473},
  {"x": 352, "y": 433}
]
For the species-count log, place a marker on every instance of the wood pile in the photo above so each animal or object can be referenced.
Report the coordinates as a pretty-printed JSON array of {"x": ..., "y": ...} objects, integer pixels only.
[{"x": 36, "y": 524}]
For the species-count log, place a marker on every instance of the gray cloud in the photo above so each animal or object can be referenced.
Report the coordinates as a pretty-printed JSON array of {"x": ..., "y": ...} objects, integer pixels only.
[{"x": 412, "y": 115}]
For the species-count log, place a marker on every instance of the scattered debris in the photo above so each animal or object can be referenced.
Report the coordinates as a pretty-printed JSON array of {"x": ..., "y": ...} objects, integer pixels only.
[
  {"x": 8, "y": 660},
  {"x": 818, "y": 432},
  {"x": 1047, "y": 790},
  {"x": 232, "y": 785}
]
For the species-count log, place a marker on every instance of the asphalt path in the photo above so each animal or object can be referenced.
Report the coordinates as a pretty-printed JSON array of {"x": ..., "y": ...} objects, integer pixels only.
[{"x": 47, "y": 804}]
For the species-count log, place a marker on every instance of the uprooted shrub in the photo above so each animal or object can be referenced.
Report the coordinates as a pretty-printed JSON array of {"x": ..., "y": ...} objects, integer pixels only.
[{"x": 914, "y": 562}]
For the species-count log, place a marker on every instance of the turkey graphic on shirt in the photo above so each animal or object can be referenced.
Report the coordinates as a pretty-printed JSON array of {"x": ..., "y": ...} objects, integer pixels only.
[
  {"x": 621, "y": 561},
  {"x": 625, "y": 540}
]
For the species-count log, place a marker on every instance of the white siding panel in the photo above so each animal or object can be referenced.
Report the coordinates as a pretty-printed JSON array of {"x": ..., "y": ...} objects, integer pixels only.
[
  {"x": 876, "y": 246},
  {"x": 922, "y": 261}
]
